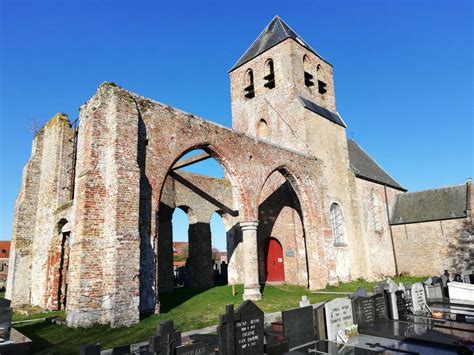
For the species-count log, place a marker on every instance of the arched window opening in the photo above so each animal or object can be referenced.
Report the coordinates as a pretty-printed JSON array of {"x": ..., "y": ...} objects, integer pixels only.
[
  {"x": 219, "y": 249},
  {"x": 375, "y": 212},
  {"x": 262, "y": 129},
  {"x": 337, "y": 224},
  {"x": 321, "y": 84},
  {"x": 269, "y": 75},
  {"x": 180, "y": 245},
  {"x": 249, "y": 87},
  {"x": 308, "y": 78}
]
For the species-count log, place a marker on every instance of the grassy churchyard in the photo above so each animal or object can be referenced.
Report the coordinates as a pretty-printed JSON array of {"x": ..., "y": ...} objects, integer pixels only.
[{"x": 189, "y": 309}]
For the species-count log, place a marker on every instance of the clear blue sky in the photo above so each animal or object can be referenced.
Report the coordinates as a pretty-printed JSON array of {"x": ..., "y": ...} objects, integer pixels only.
[{"x": 403, "y": 70}]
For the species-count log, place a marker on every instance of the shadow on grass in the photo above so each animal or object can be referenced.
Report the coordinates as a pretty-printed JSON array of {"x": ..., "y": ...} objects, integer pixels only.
[
  {"x": 171, "y": 300},
  {"x": 34, "y": 331}
]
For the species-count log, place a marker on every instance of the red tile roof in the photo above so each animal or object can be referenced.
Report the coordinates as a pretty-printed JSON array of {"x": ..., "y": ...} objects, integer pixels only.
[{"x": 5, "y": 249}]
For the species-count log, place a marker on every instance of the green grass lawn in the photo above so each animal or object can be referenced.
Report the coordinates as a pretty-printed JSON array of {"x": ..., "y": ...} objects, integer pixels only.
[{"x": 189, "y": 309}]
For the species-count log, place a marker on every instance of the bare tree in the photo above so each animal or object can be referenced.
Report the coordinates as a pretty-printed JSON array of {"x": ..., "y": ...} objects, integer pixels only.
[{"x": 34, "y": 125}]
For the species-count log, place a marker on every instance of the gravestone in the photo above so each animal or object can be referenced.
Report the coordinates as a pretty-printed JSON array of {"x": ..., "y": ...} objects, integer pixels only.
[
  {"x": 402, "y": 307},
  {"x": 277, "y": 348},
  {"x": 338, "y": 316},
  {"x": 360, "y": 292},
  {"x": 6, "y": 314},
  {"x": 304, "y": 301},
  {"x": 392, "y": 301},
  {"x": 380, "y": 306},
  {"x": 298, "y": 325},
  {"x": 121, "y": 350},
  {"x": 434, "y": 292},
  {"x": 444, "y": 282},
  {"x": 166, "y": 340},
  {"x": 418, "y": 297},
  {"x": 241, "y": 332},
  {"x": 89, "y": 349},
  {"x": 468, "y": 276},
  {"x": 319, "y": 322},
  {"x": 363, "y": 310},
  {"x": 195, "y": 349}
]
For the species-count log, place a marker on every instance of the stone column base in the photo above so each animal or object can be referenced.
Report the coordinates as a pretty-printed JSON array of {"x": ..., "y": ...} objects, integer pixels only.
[{"x": 252, "y": 292}]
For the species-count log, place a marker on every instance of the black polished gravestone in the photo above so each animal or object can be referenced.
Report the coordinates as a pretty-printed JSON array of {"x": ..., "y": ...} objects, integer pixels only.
[
  {"x": 363, "y": 310},
  {"x": 402, "y": 306},
  {"x": 6, "y": 314},
  {"x": 89, "y": 349},
  {"x": 195, "y": 349},
  {"x": 121, "y": 350},
  {"x": 241, "y": 332},
  {"x": 380, "y": 306},
  {"x": 298, "y": 325},
  {"x": 166, "y": 340}
]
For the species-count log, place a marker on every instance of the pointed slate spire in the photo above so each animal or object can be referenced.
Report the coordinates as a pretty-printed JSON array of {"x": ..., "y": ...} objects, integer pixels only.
[{"x": 276, "y": 31}]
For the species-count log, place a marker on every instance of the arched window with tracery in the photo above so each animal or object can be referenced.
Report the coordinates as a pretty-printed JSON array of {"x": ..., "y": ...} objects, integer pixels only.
[
  {"x": 269, "y": 74},
  {"x": 249, "y": 86},
  {"x": 337, "y": 224}
]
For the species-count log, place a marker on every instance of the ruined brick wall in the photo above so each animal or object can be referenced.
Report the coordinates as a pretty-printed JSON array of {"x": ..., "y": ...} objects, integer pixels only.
[{"x": 38, "y": 211}]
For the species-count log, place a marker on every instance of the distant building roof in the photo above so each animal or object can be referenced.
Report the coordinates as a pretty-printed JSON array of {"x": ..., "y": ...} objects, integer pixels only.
[
  {"x": 5, "y": 249},
  {"x": 430, "y": 205},
  {"x": 314, "y": 107},
  {"x": 276, "y": 31},
  {"x": 367, "y": 168}
]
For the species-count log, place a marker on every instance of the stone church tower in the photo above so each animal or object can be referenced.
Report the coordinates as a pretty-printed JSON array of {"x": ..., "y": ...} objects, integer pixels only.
[{"x": 282, "y": 91}]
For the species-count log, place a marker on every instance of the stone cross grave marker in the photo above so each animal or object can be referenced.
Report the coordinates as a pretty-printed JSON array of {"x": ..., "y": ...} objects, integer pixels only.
[
  {"x": 418, "y": 297},
  {"x": 304, "y": 301},
  {"x": 298, "y": 325},
  {"x": 363, "y": 310},
  {"x": 241, "y": 332},
  {"x": 380, "y": 306},
  {"x": 166, "y": 340},
  {"x": 338, "y": 316}
]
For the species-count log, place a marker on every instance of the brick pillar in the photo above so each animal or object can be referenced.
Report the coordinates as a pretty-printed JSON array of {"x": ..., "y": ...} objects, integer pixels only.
[
  {"x": 165, "y": 249},
  {"x": 200, "y": 255},
  {"x": 251, "y": 284}
]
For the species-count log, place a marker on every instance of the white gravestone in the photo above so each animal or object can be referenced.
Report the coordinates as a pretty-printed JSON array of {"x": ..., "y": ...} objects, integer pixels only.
[
  {"x": 338, "y": 316},
  {"x": 418, "y": 297},
  {"x": 461, "y": 291}
]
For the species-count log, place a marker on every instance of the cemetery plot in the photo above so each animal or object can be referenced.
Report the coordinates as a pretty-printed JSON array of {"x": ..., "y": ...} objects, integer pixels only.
[
  {"x": 298, "y": 326},
  {"x": 241, "y": 332},
  {"x": 363, "y": 310},
  {"x": 338, "y": 316}
]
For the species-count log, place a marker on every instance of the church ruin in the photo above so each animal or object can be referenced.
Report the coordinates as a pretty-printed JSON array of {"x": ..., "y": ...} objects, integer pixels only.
[{"x": 301, "y": 203}]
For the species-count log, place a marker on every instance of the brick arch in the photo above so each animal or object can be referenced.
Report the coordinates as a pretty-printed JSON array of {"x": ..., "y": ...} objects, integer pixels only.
[
  {"x": 311, "y": 220},
  {"x": 239, "y": 193}
]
